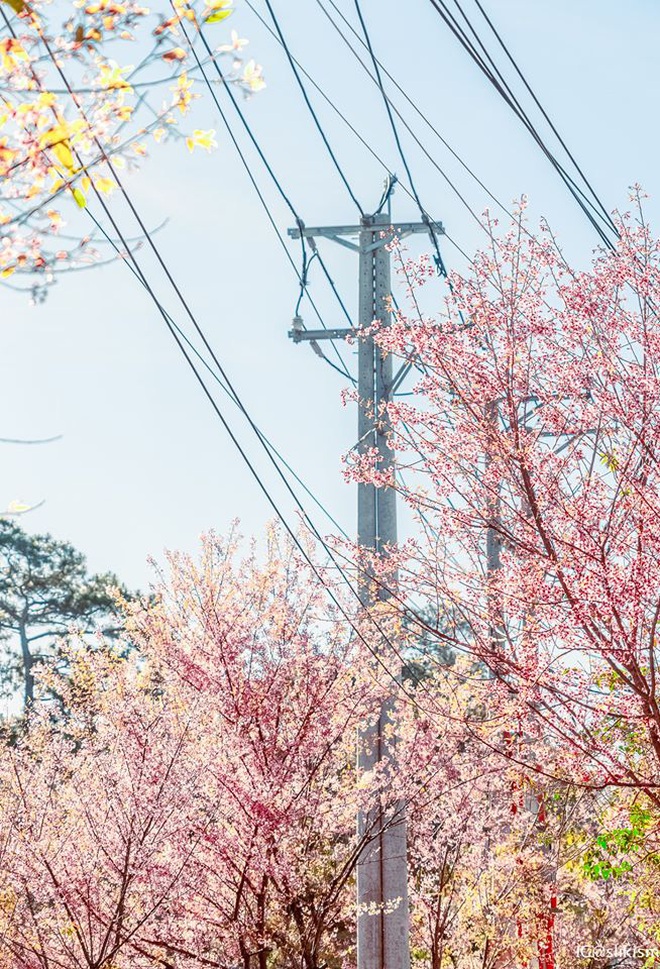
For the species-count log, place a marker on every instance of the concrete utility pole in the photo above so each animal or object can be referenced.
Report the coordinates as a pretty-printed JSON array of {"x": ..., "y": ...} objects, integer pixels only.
[{"x": 382, "y": 871}]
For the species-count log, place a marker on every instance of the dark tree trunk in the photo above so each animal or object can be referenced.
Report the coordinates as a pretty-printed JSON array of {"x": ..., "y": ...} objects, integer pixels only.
[{"x": 28, "y": 663}]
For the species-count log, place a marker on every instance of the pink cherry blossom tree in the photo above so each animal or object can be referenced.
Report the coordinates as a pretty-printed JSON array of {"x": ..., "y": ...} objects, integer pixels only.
[
  {"x": 197, "y": 807},
  {"x": 530, "y": 462}
]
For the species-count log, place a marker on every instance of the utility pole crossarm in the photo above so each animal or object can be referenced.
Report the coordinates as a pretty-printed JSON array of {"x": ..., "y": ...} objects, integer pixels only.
[
  {"x": 337, "y": 232},
  {"x": 298, "y": 335}
]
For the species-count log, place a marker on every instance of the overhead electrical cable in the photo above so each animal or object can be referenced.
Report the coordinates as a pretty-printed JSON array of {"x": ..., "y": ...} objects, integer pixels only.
[
  {"x": 417, "y": 110},
  {"x": 424, "y": 214},
  {"x": 276, "y": 181},
  {"x": 250, "y": 465},
  {"x": 515, "y": 102},
  {"x": 301, "y": 274},
  {"x": 392, "y": 179},
  {"x": 262, "y": 486},
  {"x": 580, "y": 197},
  {"x": 547, "y": 118},
  {"x": 313, "y": 113},
  {"x": 215, "y": 376},
  {"x": 370, "y": 148},
  {"x": 435, "y": 131},
  {"x": 591, "y": 210}
]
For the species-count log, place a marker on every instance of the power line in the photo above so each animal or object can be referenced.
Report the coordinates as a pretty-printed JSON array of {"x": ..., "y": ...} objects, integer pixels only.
[
  {"x": 417, "y": 110},
  {"x": 509, "y": 98},
  {"x": 271, "y": 172},
  {"x": 216, "y": 377},
  {"x": 495, "y": 77},
  {"x": 547, "y": 118},
  {"x": 302, "y": 275},
  {"x": 446, "y": 144},
  {"x": 425, "y": 218},
  {"x": 255, "y": 474},
  {"x": 369, "y": 147},
  {"x": 315, "y": 118}
]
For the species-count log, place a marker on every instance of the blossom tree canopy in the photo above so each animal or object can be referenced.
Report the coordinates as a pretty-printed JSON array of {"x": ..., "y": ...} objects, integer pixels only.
[
  {"x": 530, "y": 460},
  {"x": 196, "y": 806}
]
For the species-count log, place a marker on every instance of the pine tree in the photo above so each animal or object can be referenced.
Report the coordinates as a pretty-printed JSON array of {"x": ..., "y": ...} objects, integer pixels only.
[{"x": 45, "y": 590}]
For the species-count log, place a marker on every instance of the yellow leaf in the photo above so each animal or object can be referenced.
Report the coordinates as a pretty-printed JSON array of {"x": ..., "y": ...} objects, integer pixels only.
[
  {"x": 81, "y": 201},
  {"x": 105, "y": 185},
  {"x": 201, "y": 139},
  {"x": 219, "y": 15},
  {"x": 54, "y": 135},
  {"x": 17, "y": 5},
  {"x": 6, "y": 155},
  {"x": 7, "y": 271},
  {"x": 64, "y": 155},
  {"x": 610, "y": 461},
  {"x": 11, "y": 51},
  {"x": 182, "y": 95},
  {"x": 46, "y": 99},
  {"x": 112, "y": 78}
]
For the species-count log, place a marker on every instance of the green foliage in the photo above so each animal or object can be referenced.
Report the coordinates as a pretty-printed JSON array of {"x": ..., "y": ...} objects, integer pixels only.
[
  {"x": 609, "y": 856},
  {"x": 428, "y": 636},
  {"x": 46, "y": 590}
]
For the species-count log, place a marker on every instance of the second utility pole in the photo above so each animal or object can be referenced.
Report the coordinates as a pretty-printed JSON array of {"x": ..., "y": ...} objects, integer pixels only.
[{"x": 382, "y": 869}]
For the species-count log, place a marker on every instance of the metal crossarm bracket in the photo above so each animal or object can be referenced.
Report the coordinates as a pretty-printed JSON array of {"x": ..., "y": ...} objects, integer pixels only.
[
  {"x": 298, "y": 335},
  {"x": 336, "y": 232},
  {"x": 353, "y": 230}
]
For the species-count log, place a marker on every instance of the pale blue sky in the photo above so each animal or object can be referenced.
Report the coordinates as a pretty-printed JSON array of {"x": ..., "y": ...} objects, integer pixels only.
[{"x": 143, "y": 463}]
